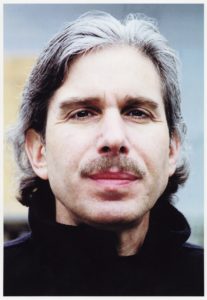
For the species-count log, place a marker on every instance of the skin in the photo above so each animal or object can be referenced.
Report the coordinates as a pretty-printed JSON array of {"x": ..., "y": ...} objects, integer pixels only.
[{"x": 109, "y": 106}]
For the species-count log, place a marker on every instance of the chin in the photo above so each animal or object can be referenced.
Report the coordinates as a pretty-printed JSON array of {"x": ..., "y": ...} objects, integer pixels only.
[
  {"x": 111, "y": 214},
  {"x": 113, "y": 221}
]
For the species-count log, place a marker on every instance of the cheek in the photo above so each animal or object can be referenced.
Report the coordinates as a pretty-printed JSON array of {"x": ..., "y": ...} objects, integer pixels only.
[
  {"x": 66, "y": 147},
  {"x": 154, "y": 154},
  {"x": 152, "y": 146}
]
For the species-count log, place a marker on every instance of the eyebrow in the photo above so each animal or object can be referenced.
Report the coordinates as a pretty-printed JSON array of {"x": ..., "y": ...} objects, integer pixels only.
[
  {"x": 76, "y": 101},
  {"x": 133, "y": 101}
]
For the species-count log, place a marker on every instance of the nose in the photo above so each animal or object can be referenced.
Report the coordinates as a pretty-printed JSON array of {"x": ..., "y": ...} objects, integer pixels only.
[{"x": 112, "y": 139}]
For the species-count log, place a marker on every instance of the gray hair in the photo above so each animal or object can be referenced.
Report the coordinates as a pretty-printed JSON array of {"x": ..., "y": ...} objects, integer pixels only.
[{"x": 94, "y": 30}]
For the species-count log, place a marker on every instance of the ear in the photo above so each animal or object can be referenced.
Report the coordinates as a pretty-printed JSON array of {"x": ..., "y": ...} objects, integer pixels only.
[
  {"x": 35, "y": 150},
  {"x": 174, "y": 151}
]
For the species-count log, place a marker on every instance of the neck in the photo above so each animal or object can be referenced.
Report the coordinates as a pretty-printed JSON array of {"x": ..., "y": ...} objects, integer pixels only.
[{"x": 130, "y": 240}]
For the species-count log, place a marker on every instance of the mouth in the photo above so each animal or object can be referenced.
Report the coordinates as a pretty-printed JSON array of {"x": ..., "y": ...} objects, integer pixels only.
[{"x": 113, "y": 179}]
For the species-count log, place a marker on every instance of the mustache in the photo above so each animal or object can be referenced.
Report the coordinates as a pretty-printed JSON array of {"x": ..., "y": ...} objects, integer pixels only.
[{"x": 102, "y": 164}]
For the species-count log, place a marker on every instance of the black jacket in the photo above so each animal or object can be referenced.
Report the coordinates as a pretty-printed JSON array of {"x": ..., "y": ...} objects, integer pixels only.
[{"x": 63, "y": 260}]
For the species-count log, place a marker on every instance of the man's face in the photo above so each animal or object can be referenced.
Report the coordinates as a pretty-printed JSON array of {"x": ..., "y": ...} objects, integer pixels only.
[{"x": 107, "y": 151}]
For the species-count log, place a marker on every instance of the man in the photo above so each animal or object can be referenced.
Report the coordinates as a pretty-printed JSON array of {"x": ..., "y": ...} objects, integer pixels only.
[{"x": 98, "y": 142}]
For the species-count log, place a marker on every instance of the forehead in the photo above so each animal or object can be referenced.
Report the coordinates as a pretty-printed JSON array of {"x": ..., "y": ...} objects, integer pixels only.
[{"x": 111, "y": 73}]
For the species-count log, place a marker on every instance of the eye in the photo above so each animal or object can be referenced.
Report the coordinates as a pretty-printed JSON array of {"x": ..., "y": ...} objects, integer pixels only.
[
  {"x": 137, "y": 113},
  {"x": 82, "y": 114}
]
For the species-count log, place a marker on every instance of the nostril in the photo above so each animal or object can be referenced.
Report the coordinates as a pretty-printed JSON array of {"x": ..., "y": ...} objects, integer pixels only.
[
  {"x": 123, "y": 150},
  {"x": 105, "y": 149}
]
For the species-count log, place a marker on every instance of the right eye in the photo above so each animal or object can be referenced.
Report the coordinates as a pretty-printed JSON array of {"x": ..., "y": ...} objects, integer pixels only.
[{"x": 82, "y": 114}]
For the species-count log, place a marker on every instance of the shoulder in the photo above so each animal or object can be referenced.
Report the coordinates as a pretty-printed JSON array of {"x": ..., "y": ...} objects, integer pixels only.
[
  {"x": 192, "y": 252},
  {"x": 193, "y": 248},
  {"x": 192, "y": 258},
  {"x": 15, "y": 247},
  {"x": 19, "y": 265},
  {"x": 17, "y": 242},
  {"x": 187, "y": 266},
  {"x": 17, "y": 253},
  {"x": 189, "y": 257}
]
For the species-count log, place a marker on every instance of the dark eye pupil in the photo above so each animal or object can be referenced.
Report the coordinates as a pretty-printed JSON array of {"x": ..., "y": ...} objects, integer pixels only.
[
  {"x": 82, "y": 113},
  {"x": 136, "y": 113}
]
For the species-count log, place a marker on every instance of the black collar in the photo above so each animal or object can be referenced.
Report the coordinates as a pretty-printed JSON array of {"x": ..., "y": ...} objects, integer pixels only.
[{"x": 168, "y": 228}]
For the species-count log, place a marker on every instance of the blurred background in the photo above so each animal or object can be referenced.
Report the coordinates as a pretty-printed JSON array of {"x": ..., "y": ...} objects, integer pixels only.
[{"x": 28, "y": 27}]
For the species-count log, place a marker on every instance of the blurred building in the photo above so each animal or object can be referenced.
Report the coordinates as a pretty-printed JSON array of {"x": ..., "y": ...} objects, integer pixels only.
[{"x": 16, "y": 70}]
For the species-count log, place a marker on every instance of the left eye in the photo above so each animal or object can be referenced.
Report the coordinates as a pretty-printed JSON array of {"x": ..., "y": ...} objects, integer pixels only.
[{"x": 138, "y": 113}]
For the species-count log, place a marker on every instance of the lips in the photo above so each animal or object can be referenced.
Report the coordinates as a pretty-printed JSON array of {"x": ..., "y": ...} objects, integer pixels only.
[{"x": 113, "y": 178}]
